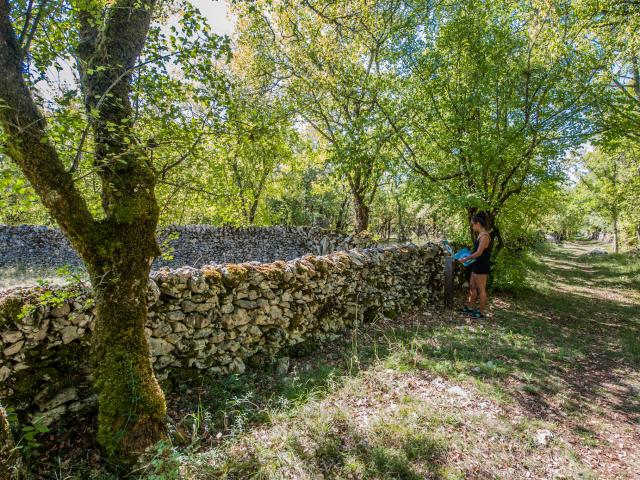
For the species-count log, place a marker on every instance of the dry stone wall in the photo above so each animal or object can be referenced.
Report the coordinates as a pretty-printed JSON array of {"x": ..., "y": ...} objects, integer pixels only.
[
  {"x": 217, "y": 318},
  {"x": 33, "y": 246}
]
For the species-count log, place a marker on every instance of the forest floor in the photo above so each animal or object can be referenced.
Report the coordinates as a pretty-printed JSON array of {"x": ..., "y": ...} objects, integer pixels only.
[{"x": 547, "y": 387}]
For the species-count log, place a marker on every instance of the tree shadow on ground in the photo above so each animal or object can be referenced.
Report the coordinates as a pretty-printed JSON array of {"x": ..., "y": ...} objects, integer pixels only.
[{"x": 554, "y": 349}]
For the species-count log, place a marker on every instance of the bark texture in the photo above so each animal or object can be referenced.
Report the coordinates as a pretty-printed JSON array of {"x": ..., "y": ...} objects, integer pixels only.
[{"x": 361, "y": 210}]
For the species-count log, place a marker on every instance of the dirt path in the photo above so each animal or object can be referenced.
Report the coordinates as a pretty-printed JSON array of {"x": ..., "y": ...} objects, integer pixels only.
[{"x": 591, "y": 304}]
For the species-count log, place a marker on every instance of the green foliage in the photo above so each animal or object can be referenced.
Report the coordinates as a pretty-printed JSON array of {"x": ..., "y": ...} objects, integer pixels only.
[
  {"x": 609, "y": 190},
  {"x": 493, "y": 96},
  {"x": 510, "y": 271},
  {"x": 18, "y": 202},
  {"x": 617, "y": 105},
  {"x": 166, "y": 246},
  {"x": 335, "y": 90},
  {"x": 51, "y": 297},
  {"x": 161, "y": 462},
  {"x": 27, "y": 442}
]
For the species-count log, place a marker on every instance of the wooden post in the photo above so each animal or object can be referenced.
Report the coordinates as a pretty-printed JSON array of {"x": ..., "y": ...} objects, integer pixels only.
[{"x": 449, "y": 267}]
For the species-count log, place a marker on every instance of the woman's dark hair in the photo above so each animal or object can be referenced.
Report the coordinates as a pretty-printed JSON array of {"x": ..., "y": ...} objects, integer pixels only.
[{"x": 479, "y": 218}]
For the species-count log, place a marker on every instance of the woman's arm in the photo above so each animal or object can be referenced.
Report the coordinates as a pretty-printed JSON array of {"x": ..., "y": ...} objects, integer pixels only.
[{"x": 482, "y": 246}]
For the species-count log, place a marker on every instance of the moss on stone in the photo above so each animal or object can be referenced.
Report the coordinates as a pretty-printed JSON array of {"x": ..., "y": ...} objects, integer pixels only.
[
  {"x": 10, "y": 309},
  {"x": 211, "y": 274},
  {"x": 234, "y": 274},
  {"x": 48, "y": 373},
  {"x": 260, "y": 361}
]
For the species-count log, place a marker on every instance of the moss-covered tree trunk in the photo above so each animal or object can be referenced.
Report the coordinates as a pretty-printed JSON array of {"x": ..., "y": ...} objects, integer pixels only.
[
  {"x": 363, "y": 184},
  {"x": 119, "y": 248},
  {"x": 361, "y": 211},
  {"x": 132, "y": 408}
]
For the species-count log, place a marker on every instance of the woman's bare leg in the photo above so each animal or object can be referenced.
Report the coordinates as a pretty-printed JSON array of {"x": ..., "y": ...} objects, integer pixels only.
[
  {"x": 473, "y": 291},
  {"x": 481, "y": 284}
]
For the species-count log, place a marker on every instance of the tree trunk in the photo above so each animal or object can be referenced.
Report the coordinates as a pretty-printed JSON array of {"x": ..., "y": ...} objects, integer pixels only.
[
  {"x": 638, "y": 234},
  {"x": 341, "y": 220},
  {"x": 253, "y": 209},
  {"x": 401, "y": 231},
  {"x": 117, "y": 249},
  {"x": 616, "y": 240},
  {"x": 361, "y": 211},
  {"x": 252, "y": 216},
  {"x": 132, "y": 407}
]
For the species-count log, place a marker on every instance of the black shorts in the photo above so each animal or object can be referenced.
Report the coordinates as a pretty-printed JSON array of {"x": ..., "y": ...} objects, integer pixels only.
[{"x": 480, "y": 269}]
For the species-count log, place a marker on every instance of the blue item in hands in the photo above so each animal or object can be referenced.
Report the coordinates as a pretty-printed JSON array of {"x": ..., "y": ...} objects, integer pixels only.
[{"x": 464, "y": 252}]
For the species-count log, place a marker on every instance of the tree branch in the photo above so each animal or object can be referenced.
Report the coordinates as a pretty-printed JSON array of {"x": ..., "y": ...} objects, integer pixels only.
[
  {"x": 29, "y": 146},
  {"x": 26, "y": 43}
]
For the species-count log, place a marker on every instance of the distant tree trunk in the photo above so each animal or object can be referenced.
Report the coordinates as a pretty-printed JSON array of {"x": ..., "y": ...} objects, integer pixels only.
[
  {"x": 363, "y": 187},
  {"x": 251, "y": 199},
  {"x": 401, "y": 230},
  {"x": 257, "y": 195},
  {"x": 616, "y": 240},
  {"x": 385, "y": 229},
  {"x": 638, "y": 234},
  {"x": 341, "y": 220},
  {"x": 361, "y": 211},
  {"x": 251, "y": 218}
]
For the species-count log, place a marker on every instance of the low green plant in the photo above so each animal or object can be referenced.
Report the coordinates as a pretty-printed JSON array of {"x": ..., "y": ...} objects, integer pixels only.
[
  {"x": 166, "y": 246},
  {"x": 52, "y": 296},
  {"x": 510, "y": 271},
  {"x": 161, "y": 462},
  {"x": 28, "y": 442}
]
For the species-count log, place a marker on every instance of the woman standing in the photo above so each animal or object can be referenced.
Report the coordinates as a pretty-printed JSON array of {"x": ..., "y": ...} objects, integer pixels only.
[{"x": 479, "y": 268}]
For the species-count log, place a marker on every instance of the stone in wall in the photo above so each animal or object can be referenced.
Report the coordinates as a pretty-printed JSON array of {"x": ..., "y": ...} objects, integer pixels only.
[
  {"x": 41, "y": 247},
  {"x": 198, "y": 245},
  {"x": 215, "y": 318},
  {"x": 35, "y": 246}
]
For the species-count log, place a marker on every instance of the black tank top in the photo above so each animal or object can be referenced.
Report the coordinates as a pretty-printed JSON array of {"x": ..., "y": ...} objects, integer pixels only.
[{"x": 484, "y": 260}]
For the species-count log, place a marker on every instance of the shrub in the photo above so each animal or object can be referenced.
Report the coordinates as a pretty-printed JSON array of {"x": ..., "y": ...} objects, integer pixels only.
[{"x": 509, "y": 270}]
